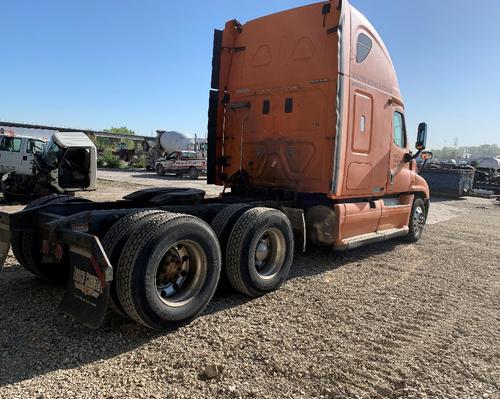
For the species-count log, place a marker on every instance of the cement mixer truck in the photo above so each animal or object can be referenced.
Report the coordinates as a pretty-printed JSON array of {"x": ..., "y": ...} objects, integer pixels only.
[
  {"x": 179, "y": 154},
  {"x": 176, "y": 141}
]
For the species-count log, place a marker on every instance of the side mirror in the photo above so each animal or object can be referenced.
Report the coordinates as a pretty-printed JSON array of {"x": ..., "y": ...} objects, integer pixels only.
[
  {"x": 426, "y": 155},
  {"x": 421, "y": 137}
]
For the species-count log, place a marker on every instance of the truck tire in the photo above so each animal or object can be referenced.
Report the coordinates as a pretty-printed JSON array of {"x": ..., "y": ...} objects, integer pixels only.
[
  {"x": 17, "y": 237},
  {"x": 222, "y": 225},
  {"x": 418, "y": 218},
  {"x": 113, "y": 244},
  {"x": 168, "y": 271},
  {"x": 193, "y": 173},
  {"x": 160, "y": 170},
  {"x": 55, "y": 273},
  {"x": 259, "y": 251}
]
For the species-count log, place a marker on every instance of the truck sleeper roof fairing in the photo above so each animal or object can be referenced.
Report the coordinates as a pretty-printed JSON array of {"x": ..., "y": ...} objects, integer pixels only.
[
  {"x": 286, "y": 86},
  {"x": 66, "y": 140}
]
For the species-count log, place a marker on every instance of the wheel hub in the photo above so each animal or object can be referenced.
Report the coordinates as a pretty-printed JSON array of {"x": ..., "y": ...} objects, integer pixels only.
[
  {"x": 270, "y": 253},
  {"x": 172, "y": 272},
  {"x": 180, "y": 274},
  {"x": 419, "y": 220},
  {"x": 262, "y": 252}
]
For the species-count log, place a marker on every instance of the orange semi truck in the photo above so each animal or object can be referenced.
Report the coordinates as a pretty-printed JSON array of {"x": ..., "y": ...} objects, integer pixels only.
[{"x": 307, "y": 134}]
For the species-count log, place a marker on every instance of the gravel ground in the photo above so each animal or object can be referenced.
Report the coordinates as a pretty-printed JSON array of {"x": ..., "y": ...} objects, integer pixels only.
[{"x": 388, "y": 320}]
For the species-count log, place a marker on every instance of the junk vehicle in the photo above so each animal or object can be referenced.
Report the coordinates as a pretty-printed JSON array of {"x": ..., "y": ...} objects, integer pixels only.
[
  {"x": 306, "y": 133},
  {"x": 487, "y": 175},
  {"x": 169, "y": 142},
  {"x": 32, "y": 168},
  {"x": 182, "y": 163}
]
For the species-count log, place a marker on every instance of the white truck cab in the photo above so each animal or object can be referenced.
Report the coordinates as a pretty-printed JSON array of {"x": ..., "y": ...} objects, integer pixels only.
[
  {"x": 31, "y": 167},
  {"x": 17, "y": 153}
]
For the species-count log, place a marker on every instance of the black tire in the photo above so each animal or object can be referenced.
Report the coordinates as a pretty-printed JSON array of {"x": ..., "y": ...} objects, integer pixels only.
[
  {"x": 418, "y": 218},
  {"x": 271, "y": 229},
  {"x": 114, "y": 242},
  {"x": 193, "y": 173},
  {"x": 16, "y": 240},
  {"x": 27, "y": 246},
  {"x": 153, "y": 245},
  {"x": 222, "y": 225},
  {"x": 160, "y": 170}
]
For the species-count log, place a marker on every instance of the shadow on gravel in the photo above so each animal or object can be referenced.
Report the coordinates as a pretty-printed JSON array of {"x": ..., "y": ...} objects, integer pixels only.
[
  {"x": 36, "y": 339},
  {"x": 447, "y": 199},
  {"x": 319, "y": 260}
]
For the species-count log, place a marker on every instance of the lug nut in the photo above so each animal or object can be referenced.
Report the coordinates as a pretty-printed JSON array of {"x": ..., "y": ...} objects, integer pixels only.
[{"x": 58, "y": 251}]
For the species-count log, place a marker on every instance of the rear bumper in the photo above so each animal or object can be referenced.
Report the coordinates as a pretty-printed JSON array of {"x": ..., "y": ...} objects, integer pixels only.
[{"x": 87, "y": 289}]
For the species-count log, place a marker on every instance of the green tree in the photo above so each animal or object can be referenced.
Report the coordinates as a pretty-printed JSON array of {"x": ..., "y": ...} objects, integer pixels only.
[
  {"x": 104, "y": 143},
  {"x": 120, "y": 130},
  {"x": 481, "y": 151}
]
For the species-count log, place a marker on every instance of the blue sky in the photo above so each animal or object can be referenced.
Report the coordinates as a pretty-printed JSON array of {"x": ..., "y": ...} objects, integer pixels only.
[{"x": 146, "y": 64}]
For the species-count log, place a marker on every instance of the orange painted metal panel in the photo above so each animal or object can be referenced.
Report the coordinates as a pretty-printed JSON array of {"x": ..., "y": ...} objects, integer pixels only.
[
  {"x": 300, "y": 111},
  {"x": 286, "y": 58}
]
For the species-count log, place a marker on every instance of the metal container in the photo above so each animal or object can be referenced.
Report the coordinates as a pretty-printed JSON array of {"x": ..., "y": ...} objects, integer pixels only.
[{"x": 449, "y": 182}]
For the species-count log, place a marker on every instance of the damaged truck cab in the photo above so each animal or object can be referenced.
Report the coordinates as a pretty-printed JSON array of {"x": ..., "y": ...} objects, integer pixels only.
[{"x": 306, "y": 133}]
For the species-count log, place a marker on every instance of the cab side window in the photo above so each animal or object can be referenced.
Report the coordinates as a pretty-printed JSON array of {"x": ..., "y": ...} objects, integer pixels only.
[
  {"x": 3, "y": 144},
  {"x": 35, "y": 146},
  {"x": 399, "y": 130},
  {"x": 10, "y": 144},
  {"x": 363, "y": 47},
  {"x": 16, "y": 145}
]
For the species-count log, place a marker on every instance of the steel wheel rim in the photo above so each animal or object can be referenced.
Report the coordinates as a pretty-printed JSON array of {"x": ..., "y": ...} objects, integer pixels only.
[
  {"x": 180, "y": 275},
  {"x": 418, "y": 220},
  {"x": 270, "y": 253}
]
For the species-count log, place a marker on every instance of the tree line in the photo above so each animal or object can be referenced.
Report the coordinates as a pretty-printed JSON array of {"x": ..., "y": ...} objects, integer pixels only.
[{"x": 459, "y": 153}]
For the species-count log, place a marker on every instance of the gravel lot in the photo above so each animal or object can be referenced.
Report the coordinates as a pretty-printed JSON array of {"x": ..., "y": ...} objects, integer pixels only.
[{"x": 388, "y": 320}]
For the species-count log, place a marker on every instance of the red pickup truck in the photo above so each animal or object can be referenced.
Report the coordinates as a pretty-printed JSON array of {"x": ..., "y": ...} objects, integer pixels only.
[{"x": 182, "y": 163}]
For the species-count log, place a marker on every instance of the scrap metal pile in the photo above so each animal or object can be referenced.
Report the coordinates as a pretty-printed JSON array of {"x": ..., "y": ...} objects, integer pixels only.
[{"x": 487, "y": 179}]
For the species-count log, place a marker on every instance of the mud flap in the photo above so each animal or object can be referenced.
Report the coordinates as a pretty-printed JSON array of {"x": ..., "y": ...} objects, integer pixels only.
[
  {"x": 87, "y": 293},
  {"x": 298, "y": 222}
]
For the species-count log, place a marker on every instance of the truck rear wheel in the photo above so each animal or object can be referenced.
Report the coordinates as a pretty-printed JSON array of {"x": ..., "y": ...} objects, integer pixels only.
[
  {"x": 225, "y": 220},
  {"x": 160, "y": 170},
  {"x": 113, "y": 244},
  {"x": 259, "y": 251},
  {"x": 168, "y": 271},
  {"x": 193, "y": 173},
  {"x": 26, "y": 247},
  {"x": 418, "y": 219},
  {"x": 17, "y": 237},
  {"x": 222, "y": 225}
]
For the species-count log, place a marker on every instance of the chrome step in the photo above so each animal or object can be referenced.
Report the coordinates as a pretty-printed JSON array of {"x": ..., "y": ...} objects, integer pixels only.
[{"x": 370, "y": 238}]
